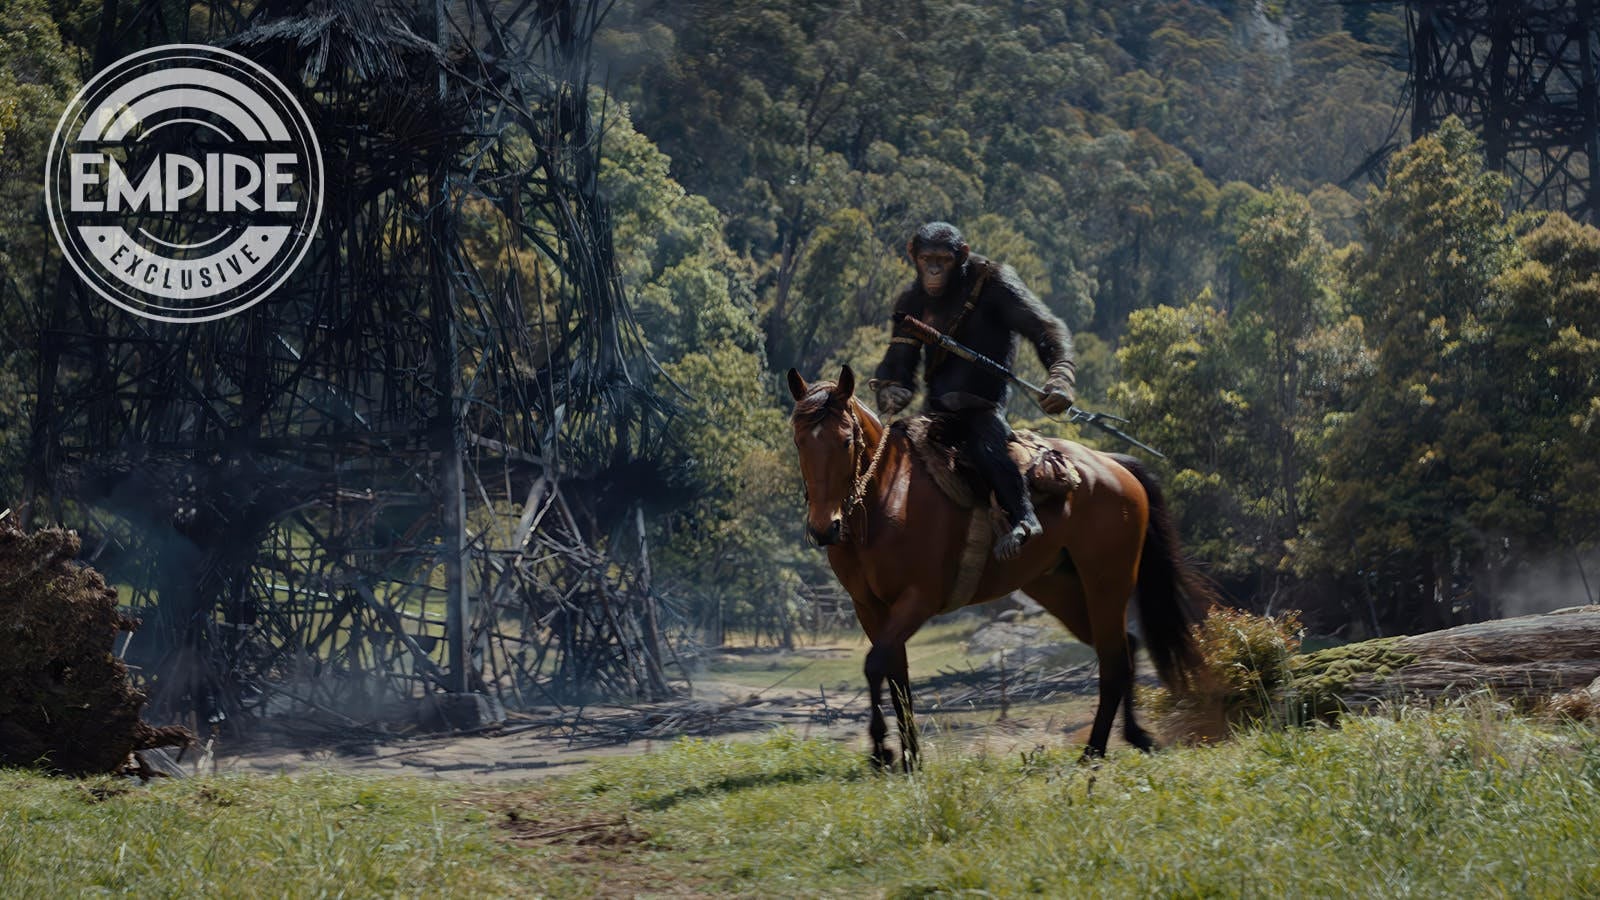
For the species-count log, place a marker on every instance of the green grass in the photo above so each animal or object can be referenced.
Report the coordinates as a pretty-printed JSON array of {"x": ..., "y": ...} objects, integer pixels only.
[
  {"x": 321, "y": 836},
  {"x": 1451, "y": 804},
  {"x": 1462, "y": 802},
  {"x": 835, "y": 661}
]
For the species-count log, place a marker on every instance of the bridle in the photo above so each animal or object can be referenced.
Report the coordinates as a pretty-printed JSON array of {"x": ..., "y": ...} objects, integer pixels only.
[
  {"x": 861, "y": 480},
  {"x": 858, "y": 491}
]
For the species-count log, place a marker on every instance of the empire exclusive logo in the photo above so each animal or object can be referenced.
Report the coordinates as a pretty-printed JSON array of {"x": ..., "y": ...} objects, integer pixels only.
[{"x": 184, "y": 183}]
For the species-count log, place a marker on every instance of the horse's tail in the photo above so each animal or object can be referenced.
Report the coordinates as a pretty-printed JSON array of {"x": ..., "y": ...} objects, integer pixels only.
[{"x": 1172, "y": 595}]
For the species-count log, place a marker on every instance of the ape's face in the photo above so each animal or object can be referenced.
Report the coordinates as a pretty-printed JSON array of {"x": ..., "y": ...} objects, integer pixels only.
[{"x": 936, "y": 266}]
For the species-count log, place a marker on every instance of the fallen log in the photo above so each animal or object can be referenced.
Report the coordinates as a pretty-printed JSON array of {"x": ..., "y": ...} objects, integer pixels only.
[
  {"x": 66, "y": 703},
  {"x": 1524, "y": 660}
]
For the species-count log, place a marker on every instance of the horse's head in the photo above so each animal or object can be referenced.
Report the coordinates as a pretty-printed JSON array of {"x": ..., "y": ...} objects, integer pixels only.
[{"x": 829, "y": 436}]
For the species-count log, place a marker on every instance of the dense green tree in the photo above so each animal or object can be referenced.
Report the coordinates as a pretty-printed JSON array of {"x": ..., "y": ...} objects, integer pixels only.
[
  {"x": 1181, "y": 384},
  {"x": 1142, "y": 216},
  {"x": 725, "y": 554},
  {"x": 36, "y": 78},
  {"x": 1295, "y": 349},
  {"x": 689, "y": 290},
  {"x": 731, "y": 555},
  {"x": 1289, "y": 297},
  {"x": 1238, "y": 398},
  {"x": 1418, "y": 464},
  {"x": 1546, "y": 372}
]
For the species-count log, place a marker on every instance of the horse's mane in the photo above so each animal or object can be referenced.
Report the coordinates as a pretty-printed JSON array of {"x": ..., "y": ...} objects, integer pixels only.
[{"x": 815, "y": 406}]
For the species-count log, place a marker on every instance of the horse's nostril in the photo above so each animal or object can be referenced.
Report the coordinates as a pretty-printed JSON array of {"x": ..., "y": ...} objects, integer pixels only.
[
  {"x": 825, "y": 538},
  {"x": 818, "y": 538}
]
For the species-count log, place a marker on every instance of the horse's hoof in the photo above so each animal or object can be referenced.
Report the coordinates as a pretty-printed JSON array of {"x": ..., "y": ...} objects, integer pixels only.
[
  {"x": 1142, "y": 740},
  {"x": 1092, "y": 757},
  {"x": 882, "y": 760}
]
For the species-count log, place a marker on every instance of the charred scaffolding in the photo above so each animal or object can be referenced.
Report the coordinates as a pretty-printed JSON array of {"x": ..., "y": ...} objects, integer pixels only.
[
  {"x": 411, "y": 466},
  {"x": 1523, "y": 73}
]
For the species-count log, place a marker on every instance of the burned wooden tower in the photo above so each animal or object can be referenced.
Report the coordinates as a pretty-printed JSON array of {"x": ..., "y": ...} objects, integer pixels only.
[
  {"x": 362, "y": 491},
  {"x": 1523, "y": 74}
]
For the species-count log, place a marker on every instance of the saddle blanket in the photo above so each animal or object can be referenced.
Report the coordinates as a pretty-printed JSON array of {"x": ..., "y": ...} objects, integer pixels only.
[
  {"x": 936, "y": 444},
  {"x": 1048, "y": 471}
]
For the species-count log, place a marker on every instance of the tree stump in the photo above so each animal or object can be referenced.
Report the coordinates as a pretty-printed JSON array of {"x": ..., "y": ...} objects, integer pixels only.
[
  {"x": 1524, "y": 660},
  {"x": 66, "y": 703}
]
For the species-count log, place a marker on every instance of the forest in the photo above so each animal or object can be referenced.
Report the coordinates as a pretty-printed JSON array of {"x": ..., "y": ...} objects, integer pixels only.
[{"x": 1377, "y": 385}]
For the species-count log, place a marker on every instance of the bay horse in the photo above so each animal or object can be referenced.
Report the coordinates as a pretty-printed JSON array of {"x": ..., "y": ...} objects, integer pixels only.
[{"x": 895, "y": 541}]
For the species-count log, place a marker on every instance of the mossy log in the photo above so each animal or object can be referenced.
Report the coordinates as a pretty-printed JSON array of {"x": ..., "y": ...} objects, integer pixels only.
[
  {"x": 1522, "y": 660},
  {"x": 66, "y": 703}
]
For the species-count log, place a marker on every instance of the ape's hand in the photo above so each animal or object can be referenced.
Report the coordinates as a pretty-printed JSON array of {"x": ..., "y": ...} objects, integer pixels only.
[
  {"x": 1060, "y": 388},
  {"x": 892, "y": 398},
  {"x": 1058, "y": 395}
]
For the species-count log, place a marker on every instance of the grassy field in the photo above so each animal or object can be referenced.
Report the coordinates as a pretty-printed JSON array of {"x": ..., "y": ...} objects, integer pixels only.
[
  {"x": 1464, "y": 802},
  {"x": 834, "y": 661},
  {"x": 833, "y": 664}
]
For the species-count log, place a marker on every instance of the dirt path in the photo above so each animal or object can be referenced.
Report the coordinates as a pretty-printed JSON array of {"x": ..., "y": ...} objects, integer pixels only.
[
  {"x": 524, "y": 751},
  {"x": 968, "y": 697}
]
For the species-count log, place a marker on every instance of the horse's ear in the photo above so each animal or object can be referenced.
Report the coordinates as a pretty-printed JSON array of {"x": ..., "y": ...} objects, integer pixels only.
[
  {"x": 847, "y": 382},
  {"x": 797, "y": 385}
]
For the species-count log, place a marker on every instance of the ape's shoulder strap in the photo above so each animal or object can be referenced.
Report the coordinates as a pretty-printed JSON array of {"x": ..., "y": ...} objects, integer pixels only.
[{"x": 939, "y": 355}]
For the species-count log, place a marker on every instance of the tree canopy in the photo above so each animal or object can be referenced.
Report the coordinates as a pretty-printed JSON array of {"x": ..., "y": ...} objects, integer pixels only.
[{"x": 1378, "y": 389}]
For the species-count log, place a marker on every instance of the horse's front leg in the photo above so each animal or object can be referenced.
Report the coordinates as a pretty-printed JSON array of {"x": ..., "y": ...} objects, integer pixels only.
[
  {"x": 872, "y": 612},
  {"x": 904, "y": 715},
  {"x": 886, "y": 662},
  {"x": 878, "y": 729}
]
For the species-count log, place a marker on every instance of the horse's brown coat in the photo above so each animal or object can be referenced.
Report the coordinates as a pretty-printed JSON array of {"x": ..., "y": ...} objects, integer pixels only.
[{"x": 898, "y": 553}]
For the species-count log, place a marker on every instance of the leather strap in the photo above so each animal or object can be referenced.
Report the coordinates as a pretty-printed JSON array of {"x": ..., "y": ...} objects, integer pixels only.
[{"x": 941, "y": 354}]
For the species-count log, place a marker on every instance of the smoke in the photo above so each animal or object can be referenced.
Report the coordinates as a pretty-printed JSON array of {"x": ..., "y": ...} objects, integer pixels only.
[{"x": 1556, "y": 582}]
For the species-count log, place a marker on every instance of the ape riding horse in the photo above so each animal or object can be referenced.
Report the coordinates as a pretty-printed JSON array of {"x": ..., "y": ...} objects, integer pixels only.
[{"x": 896, "y": 541}]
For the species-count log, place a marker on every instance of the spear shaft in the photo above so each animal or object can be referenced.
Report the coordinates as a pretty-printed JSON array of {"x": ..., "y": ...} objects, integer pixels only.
[{"x": 933, "y": 336}]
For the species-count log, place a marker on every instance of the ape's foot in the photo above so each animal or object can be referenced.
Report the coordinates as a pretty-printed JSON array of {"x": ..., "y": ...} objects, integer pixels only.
[{"x": 1010, "y": 543}]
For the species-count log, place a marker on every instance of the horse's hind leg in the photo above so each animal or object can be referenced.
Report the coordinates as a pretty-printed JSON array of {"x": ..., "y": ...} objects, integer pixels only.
[
  {"x": 1131, "y": 731},
  {"x": 1102, "y": 624},
  {"x": 1108, "y": 611}
]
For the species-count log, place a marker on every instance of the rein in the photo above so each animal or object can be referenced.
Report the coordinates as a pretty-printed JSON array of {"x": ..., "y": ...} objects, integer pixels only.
[{"x": 858, "y": 492}]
